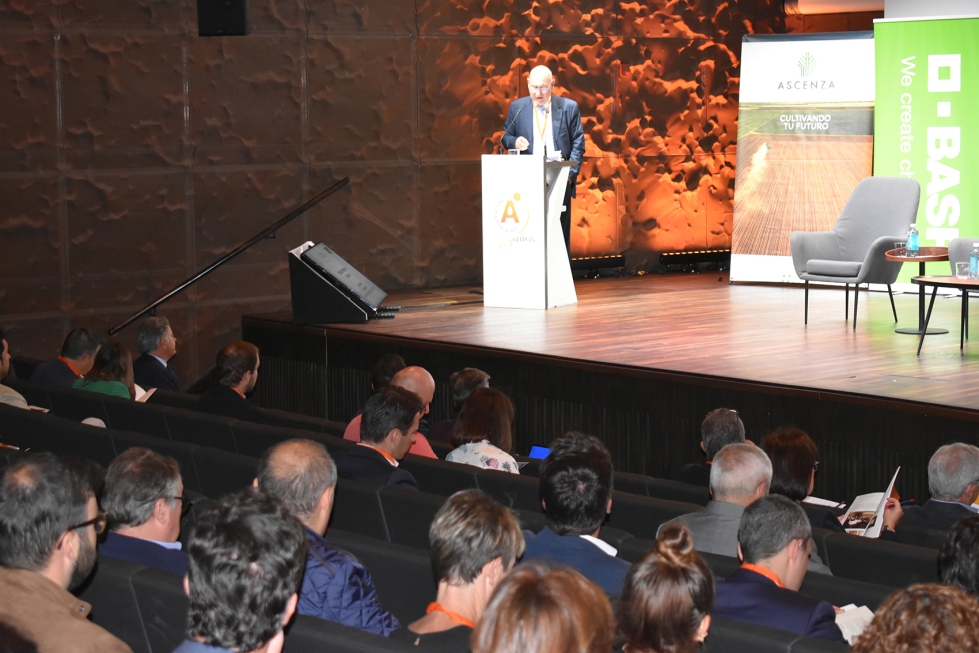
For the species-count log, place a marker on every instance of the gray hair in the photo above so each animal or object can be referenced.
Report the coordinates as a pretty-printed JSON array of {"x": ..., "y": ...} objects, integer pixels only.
[
  {"x": 463, "y": 383},
  {"x": 768, "y": 526},
  {"x": 470, "y": 530},
  {"x": 721, "y": 427},
  {"x": 134, "y": 482},
  {"x": 952, "y": 469},
  {"x": 737, "y": 471},
  {"x": 150, "y": 331},
  {"x": 297, "y": 473}
]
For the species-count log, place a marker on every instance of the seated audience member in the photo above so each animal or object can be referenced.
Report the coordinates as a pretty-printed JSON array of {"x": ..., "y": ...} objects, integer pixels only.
[
  {"x": 245, "y": 565},
  {"x": 475, "y": 541},
  {"x": 144, "y": 499},
  {"x": 775, "y": 538},
  {"x": 388, "y": 429},
  {"x": 667, "y": 597},
  {"x": 740, "y": 474},
  {"x": 49, "y": 521},
  {"x": 335, "y": 587},
  {"x": 156, "y": 347},
  {"x": 8, "y": 395},
  {"x": 111, "y": 373},
  {"x": 958, "y": 559},
  {"x": 76, "y": 359},
  {"x": 536, "y": 610},
  {"x": 235, "y": 375},
  {"x": 413, "y": 379},
  {"x": 953, "y": 481},
  {"x": 923, "y": 619},
  {"x": 461, "y": 384},
  {"x": 721, "y": 427},
  {"x": 576, "y": 493},
  {"x": 482, "y": 434}
]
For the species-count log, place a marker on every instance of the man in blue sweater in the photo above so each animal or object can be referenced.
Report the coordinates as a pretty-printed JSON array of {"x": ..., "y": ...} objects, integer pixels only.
[{"x": 336, "y": 587}]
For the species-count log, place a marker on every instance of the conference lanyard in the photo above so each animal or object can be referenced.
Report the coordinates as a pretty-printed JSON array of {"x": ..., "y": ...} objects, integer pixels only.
[{"x": 454, "y": 616}]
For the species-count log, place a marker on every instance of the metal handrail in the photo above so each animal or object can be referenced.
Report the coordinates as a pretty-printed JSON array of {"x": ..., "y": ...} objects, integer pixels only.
[{"x": 227, "y": 257}]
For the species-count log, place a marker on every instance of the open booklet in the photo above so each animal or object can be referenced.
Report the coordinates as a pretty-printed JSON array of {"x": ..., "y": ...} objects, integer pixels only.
[
  {"x": 866, "y": 514},
  {"x": 143, "y": 395},
  {"x": 853, "y": 621}
]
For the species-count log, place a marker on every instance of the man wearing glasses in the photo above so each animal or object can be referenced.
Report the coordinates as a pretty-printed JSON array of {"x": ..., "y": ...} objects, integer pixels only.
[
  {"x": 547, "y": 125},
  {"x": 144, "y": 500},
  {"x": 49, "y": 521}
]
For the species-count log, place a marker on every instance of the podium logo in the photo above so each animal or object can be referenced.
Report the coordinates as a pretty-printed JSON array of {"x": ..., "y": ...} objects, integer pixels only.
[{"x": 512, "y": 214}]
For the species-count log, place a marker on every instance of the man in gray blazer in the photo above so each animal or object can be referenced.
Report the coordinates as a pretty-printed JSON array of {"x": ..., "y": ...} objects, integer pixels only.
[{"x": 740, "y": 474}]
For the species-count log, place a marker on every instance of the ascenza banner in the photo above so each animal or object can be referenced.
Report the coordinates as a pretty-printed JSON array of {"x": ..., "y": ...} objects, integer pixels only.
[
  {"x": 925, "y": 124},
  {"x": 805, "y": 139}
]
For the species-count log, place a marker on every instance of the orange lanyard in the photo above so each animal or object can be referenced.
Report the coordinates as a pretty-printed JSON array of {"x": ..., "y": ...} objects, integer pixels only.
[
  {"x": 389, "y": 457},
  {"x": 70, "y": 366},
  {"x": 541, "y": 123},
  {"x": 454, "y": 616},
  {"x": 240, "y": 393},
  {"x": 767, "y": 573}
]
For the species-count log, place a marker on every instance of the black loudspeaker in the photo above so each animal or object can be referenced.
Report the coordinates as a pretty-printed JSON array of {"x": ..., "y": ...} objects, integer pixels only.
[
  {"x": 222, "y": 17},
  {"x": 315, "y": 300}
]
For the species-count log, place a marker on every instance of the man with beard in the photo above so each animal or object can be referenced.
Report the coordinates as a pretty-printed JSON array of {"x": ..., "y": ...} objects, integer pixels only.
[
  {"x": 235, "y": 375},
  {"x": 49, "y": 520}
]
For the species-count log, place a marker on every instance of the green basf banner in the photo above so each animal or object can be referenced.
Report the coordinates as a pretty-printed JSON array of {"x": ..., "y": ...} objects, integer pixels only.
[{"x": 925, "y": 125}]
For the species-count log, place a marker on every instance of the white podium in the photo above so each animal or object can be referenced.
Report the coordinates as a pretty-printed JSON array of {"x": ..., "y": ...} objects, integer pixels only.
[{"x": 525, "y": 262}]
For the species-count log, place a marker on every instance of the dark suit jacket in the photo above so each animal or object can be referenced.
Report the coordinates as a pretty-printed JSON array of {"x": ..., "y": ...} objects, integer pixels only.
[
  {"x": 696, "y": 474},
  {"x": 927, "y": 524},
  {"x": 594, "y": 564},
  {"x": 148, "y": 372},
  {"x": 54, "y": 373},
  {"x": 144, "y": 552},
  {"x": 367, "y": 465},
  {"x": 750, "y": 597},
  {"x": 222, "y": 400},
  {"x": 569, "y": 137}
]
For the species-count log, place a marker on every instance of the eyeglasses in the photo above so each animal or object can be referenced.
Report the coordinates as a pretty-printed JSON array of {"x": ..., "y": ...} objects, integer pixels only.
[
  {"x": 99, "y": 522},
  {"x": 815, "y": 466},
  {"x": 539, "y": 89},
  {"x": 186, "y": 503}
]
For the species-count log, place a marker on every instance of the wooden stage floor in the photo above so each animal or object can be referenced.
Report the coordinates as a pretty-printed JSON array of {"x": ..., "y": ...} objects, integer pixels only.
[{"x": 699, "y": 325}]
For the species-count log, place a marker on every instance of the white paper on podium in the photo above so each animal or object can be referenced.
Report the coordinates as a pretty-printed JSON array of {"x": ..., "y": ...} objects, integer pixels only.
[{"x": 525, "y": 263}]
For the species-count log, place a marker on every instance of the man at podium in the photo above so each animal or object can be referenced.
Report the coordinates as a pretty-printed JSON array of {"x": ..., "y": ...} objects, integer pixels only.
[{"x": 549, "y": 125}]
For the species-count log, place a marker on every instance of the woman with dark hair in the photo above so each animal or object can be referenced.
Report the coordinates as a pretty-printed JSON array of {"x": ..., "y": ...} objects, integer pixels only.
[
  {"x": 483, "y": 433},
  {"x": 111, "y": 373},
  {"x": 924, "y": 619},
  {"x": 667, "y": 597},
  {"x": 475, "y": 541},
  {"x": 958, "y": 559},
  {"x": 536, "y": 610}
]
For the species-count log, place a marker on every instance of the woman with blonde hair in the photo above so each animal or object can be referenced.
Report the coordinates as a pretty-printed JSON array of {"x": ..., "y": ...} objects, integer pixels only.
[
  {"x": 667, "y": 597},
  {"x": 537, "y": 610}
]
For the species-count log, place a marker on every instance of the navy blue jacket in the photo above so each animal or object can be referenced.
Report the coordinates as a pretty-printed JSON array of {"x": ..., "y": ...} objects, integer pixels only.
[
  {"x": 144, "y": 552},
  {"x": 606, "y": 571},
  {"x": 54, "y": 373},
  {"x": 336, "y": 587},
  {"x": 569, "y": 137},
  {"x": 367, "y": 465},
  {"x": 149, "y": 372},
  {"x": 225, "y": 402},
  {"x": 750, "y": 597}
]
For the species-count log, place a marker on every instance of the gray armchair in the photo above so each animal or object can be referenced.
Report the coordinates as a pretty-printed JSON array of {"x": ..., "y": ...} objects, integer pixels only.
[
  {"x": 877, "y": 215},
  {"x": 959, "y": 251}
]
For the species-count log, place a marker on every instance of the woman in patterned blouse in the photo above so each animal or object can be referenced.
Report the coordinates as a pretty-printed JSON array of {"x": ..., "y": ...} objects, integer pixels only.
[{"x": 483, "y": 433}]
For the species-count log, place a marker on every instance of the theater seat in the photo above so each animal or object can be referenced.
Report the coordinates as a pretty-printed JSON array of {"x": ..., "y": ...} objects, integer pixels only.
[
  {"x": 728, "y": 636},
  {"x": 357, "y": 509},
  {"x": 162, "y": 607},
  {"x": 76, "y": 405},
  {"x": 883, "y": 563},
  {"x": 221, "y": 472},
  {"x": 307, "y": 634},
  {"x": 182, "y": 452},
  {"x": 125, "y": 415},
  {"x": 110, "y": 591},
  {"x": 439, "y": 476},
  {"x": 36, "y": 394},
  {"x": 409, "y": 514},
  {"x": 201, "y": 429},
  {"x": 642, "y": 516},
  {"x": 512, "y": 490}
]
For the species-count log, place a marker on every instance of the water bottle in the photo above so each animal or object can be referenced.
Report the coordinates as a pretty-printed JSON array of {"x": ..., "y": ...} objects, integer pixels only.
[
  {"x": 974, "y": 262},
  {"x": 911, "y": 249}
]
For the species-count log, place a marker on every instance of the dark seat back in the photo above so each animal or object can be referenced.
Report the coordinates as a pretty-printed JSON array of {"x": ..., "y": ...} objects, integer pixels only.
[
  {"x": 881, "y": 563},
  {"x": 728, "y": 636},
  {"x": 305, "y": 634},
  {"x": 174, "y": 399},
  {"x": 222, "y": 472},
  {"x": 642, "y": 516},
  {"x": 357, "y": 509},
  {"x": 182, "y": 452},
  {"x": 36, "y": 394},
  {"x": 110, "y": 591},
  {"x": 409, "y": 514},
  {"x": 512, "y": 490},
  {"x": 201, "y": 429},
  {"x": 402, "y": 575},
  {"x": 134, "y": 416},
  {"x": 439, "y": 476},
  {"x": 76, "y": 404},
  {"x": 661, "y": 488},
  {"x": 162, "y": 606}
]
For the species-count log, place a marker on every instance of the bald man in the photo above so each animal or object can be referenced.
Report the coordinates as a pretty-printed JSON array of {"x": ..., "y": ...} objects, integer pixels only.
[
  {"x": 546, "y": 124},
  {"x": 336, "y": 587},
  {"x": 414, "y": 379}
]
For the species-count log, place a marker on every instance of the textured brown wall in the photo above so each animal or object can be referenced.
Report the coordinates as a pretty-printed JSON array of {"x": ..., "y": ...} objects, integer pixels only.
[{"x": 134, "y": 153}]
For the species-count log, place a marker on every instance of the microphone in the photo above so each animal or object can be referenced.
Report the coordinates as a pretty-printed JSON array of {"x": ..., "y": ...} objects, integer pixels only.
[{"x": 507, "y": 130}]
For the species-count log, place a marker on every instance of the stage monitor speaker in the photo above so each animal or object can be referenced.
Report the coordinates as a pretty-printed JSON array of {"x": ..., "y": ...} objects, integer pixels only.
[
  {"x": 315, "y": 299},
  {"x": 222, "y": 17}
]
